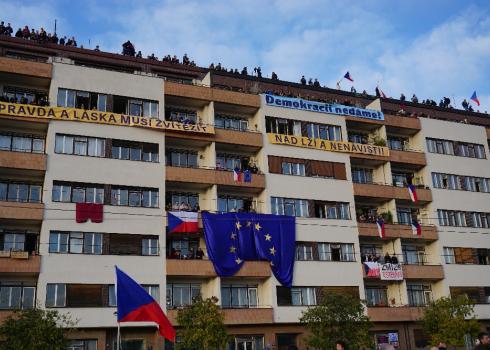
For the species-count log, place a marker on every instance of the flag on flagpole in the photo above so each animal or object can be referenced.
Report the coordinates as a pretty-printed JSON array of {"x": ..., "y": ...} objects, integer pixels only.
[
  {"x": 381, "y": 93},
  {"x": 413, "y": 193},
  {"x": 416, "y": 228},
  {"x": 381, "y": 227},
  {"x": 348, "y": 77},
  {"x": 182, "y": 221},
  {"x": 475, "y": 99},
  {"x": 134, "y": 304}
]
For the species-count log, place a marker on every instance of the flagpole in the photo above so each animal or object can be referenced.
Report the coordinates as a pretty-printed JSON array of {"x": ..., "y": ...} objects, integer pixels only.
[{"x": 118, "y": 336}]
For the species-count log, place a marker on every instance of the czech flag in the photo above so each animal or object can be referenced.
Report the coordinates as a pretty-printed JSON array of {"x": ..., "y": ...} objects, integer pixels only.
[
  {"x": 182, "y": 221},
  {"x": 237, "y": 175},
  {"x": 416, "y": 228},
  {"x": 383, "y": 95},
  {"x": 413, "y": 193},
  {"x": 348, "y": 77},
  {"x": 134, "y": 304},
  {"x": 381, "y": 227},
  {"x": 371, "y": 268},
  {"x": 475, "y": 99}
]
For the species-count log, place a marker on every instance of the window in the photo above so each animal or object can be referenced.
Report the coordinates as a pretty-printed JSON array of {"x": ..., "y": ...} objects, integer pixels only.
[
  {"x": 184, "y": 159},
  {"x": 17, "y": 192},
  {"x": 397, "y": 143},
  {"x": 150, "y": 246},
  {"x": 418, "y": 294},
  {"x": 14, "y": 242},
  {"x": 137, "y": 151},
  {"x": 246, "y": 342},
  {"x": 20, "y": 143},
  {"x": 181, "y": 115},
  {"x": 75, "y": 242},
  {"x": 55, "y": 295},
  {"x": 413, "y": 255},
  {"x": 336, "y": 252},
  {"x": 77, "y": 193},
  {"x": 181, "y": 294},
  {"x": 376, "y": 296},
  {"x": 461, "y": 149},
  {"x": 405, "y": 216},
  {"x": 134, "y": 197},
  {"x": 289, "y": 206},
  {"x": 303, "y": 296},
  {"x": 289, "y": 168},
  {"x": 17, "y": 297},
  {"x": 463, "y": 218},
  {"x": 362, "y": 175},
  {"x": 304, "y": 252},
  {"x": 332, "y": 210},
  {"x": 449, "y": 257},
  {"x": 231, "y": 162},
  {"x": 82, "y": 344},
  {"x": 324, "y": 132},
  {"x": 82, "y": 99},
  {"x": 239, "y": 296},
  {"x": 182, "y": 201},
  {"x": 180, "y": 248},
  {"x": 235, "y": 204},
  {"x": 358, "y": 138},
  {"x": 283, "y": 126},
  {"x": 461, "y": 182},
  {"x": 231, "y": 122}
]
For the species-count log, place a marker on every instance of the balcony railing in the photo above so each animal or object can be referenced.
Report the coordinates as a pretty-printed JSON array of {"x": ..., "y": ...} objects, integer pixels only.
[
  {"x": 19, "y": 262},
  {"x": 395, "y": 314}
]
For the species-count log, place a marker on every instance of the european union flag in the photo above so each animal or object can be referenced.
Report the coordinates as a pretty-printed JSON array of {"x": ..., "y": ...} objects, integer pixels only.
[{"x": 233, "y": 238}]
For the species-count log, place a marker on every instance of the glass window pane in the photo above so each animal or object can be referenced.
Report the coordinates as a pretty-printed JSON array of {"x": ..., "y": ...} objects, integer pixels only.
[
  {"x": 28, "y": 297},
  {"x": 37, "y": 145},
  {"x": 102, "y": 102},
  {"x": 5, "y": 142},
  {"x": 35, "y": 193}
]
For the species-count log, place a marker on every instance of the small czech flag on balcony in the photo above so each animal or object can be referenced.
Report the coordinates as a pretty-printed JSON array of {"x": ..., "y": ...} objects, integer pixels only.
[
  {"x": 416, "y": 228},
  {"x": 413, "y": 193},
  {"x": 237, "y": 175},
  {"x": 182, "y": 221},
  {"x": 475, "y": 99},
  {"x": 380, "y": 223},
  {"x": 134, "y": 304},
  {"x": 348, "y": 77}
]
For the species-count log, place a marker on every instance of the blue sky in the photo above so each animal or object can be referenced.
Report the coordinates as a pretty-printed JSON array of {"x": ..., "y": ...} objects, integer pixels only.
[{"x": 432, "y": 48}]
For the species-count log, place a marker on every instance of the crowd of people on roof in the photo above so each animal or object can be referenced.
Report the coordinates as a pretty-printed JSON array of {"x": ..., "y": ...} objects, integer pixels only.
[{"x": 42, "y": 36}]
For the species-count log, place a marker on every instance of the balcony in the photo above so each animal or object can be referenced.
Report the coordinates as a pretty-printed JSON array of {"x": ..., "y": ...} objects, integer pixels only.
[
  {"x": 388, "y": 192},
  {"x": 402, "y": 122},
  {"x": 21, "y": 211},
  {"x": 29, "y": 68},
  {"x": 209, "y": 94},
  {"x": 242, "y": 138},
  {"x": 408, "y": 157},
  {"x": 423, "y": 272},
  {"x": 23, "y": 160},
  {"x": 211, "y": 177},
  {"x": 204, "y": 268},
  {"x": 394, "y": 314},
  {"x": 19, "y": 263},
  {"x": 244, "y": 316},
  {"x": 394, "y": 231}
]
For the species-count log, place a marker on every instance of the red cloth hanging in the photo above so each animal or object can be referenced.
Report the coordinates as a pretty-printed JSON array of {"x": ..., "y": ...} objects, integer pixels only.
[{"x": 92, "y": 211}]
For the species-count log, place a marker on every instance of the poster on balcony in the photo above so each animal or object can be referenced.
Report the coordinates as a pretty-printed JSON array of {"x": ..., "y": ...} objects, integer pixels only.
[
  {"x": 99, "y": 117},
  {"x": 391, "y": 272}
]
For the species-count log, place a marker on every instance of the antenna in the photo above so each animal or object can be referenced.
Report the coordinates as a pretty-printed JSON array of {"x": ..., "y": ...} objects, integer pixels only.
[{"x": 55, "y": 25}]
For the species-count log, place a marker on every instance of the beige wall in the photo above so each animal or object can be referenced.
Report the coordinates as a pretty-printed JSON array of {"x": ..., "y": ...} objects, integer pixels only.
[
  {"x": 458, "y": 275},
  {"x": 103, "y": 81},
  {"x": 74, "y": 268}
]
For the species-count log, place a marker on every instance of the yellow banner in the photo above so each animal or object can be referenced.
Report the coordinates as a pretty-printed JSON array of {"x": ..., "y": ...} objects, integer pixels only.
[
  {"x": 325, "y": 145},
  {"x": 86, "y": 116}
]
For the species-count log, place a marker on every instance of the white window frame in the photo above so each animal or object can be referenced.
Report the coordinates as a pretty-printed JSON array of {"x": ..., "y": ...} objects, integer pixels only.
[
  {"x": 57, "y": 303},
  {"x": 151, "y": 244}
]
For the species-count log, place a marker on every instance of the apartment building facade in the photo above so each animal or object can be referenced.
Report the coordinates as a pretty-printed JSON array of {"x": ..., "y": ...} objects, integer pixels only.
[{"x": 189, "y": 129}]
